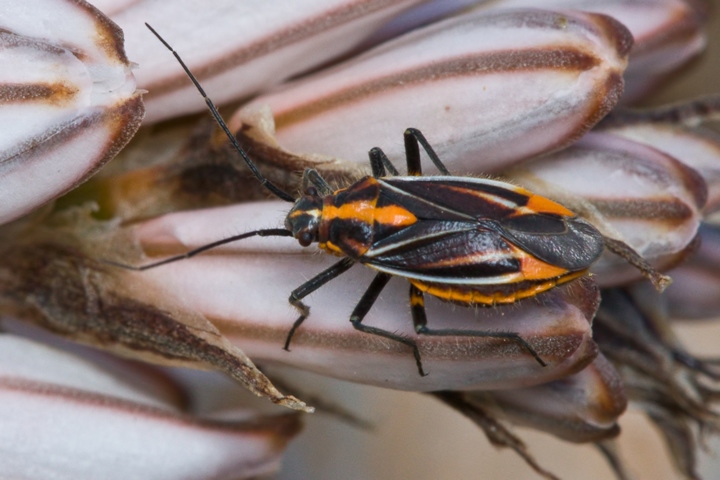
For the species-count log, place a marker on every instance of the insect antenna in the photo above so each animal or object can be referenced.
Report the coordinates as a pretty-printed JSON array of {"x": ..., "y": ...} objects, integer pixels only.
[
  {"x": 626, "y": 252},
  {"x": 269, "y": 232},
  {"x": 277, "y": 191}
]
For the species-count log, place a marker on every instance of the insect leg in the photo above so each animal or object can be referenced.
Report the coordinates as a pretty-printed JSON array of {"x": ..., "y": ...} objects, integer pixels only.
[
  {"x": 417, "y": 305},
  {"x": 412, "y": 152},
  {"x": 310, "y": 286},
  {"x": 379, "y": 163},
  {"x": 364, "y": 306},
  {"x": 312, "y": 178},
  {"x": 626, "y": 252},
  {"x": 269, "y": 232}
]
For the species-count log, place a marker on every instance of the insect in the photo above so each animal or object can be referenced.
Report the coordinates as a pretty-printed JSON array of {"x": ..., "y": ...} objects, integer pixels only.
[{"x": 470, "y": 241}]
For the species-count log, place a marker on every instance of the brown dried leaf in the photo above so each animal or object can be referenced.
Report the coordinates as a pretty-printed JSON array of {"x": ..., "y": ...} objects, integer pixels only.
[{"x": 50, "y": 279}]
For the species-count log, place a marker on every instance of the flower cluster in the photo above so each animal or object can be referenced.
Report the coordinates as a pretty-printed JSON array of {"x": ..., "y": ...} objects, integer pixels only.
[{"x": 538, "y": 97}]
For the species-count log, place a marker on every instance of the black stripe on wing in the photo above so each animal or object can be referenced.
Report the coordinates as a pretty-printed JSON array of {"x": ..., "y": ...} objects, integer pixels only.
[
  {"x": 444, "y": 249},
  {"x": 452, "y": 198}
]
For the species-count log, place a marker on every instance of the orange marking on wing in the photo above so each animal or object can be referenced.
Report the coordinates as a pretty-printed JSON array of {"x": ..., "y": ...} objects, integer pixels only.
[
  {"x": 541, "y": 204},
  {"x": 534, "y": 269}
]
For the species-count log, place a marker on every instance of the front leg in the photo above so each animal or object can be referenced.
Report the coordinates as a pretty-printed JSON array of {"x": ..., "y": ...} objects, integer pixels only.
[
  {"x": 310, "y": 286},
  {"x": 311, "y": 178},
  {"x": 413, "y": 136},
  {"x": 380, "y": 163}
]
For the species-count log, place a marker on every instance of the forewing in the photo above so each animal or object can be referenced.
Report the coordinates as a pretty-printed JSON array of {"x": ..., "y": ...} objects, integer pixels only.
[
  {"x": 446, "y": 252},
  {"x": 498, "y": 213},
  {"x": 454, "y": 198}
]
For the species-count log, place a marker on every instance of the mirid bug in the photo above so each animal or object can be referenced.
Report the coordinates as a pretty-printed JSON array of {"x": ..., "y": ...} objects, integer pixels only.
[{"x": 469, "y": 241}]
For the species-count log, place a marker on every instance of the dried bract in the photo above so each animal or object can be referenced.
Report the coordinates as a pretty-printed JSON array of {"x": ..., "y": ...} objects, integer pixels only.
[
  {"x": 52, "y": 280},
  {"x": 677, "y": 391}
]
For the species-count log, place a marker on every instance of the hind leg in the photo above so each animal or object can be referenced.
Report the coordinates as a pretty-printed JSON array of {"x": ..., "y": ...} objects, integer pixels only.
[{"x": 417, "y": 308}]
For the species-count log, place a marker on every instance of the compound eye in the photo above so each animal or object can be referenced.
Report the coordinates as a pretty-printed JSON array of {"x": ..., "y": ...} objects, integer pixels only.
[
  {"x": 311, "y": 191},
  {"x": 305, "y": 239}
]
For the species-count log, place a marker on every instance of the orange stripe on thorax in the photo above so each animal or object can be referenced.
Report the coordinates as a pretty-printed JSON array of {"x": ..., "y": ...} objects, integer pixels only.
[
  {"x": 361, "y": 210},
  {"x": 365, "y": 211},
  {"x": 394, "y": 215}
]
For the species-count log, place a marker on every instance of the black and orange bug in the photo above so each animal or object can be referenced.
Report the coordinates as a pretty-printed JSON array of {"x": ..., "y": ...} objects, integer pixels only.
[{"x": 470, "y": 241}]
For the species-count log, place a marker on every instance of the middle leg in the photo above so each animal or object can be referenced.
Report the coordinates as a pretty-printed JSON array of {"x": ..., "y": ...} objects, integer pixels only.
[{"x": 363, "y": 307}]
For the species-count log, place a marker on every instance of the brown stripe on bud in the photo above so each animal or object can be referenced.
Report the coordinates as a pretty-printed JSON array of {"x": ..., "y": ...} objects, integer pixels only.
[
  {"x": 55, "y": 94},
  {"x": 696, "y": 147},
  {"x": 112, "y": 407},
  {"x": 287, "y": 35},
  {"x": 76, "y": 296},
  {"x": 482, "y": 64},
  {"x": 673, "y": 210}
]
